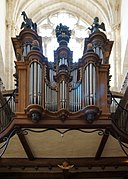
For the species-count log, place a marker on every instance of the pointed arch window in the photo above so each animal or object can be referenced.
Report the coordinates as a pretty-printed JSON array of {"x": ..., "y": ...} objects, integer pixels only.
[{"x": 79, "y": 32}]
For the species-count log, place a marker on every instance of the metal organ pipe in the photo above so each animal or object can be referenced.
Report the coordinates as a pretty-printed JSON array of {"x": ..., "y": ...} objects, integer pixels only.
[
  {"x": 65, "y": 86},
  {"x": 24, "y": 51},
  {"x": 74, "y": 100},
  {"x": 54, "y": 100},
  {"x": 35, "y": 83},
  {"x": 60, "y": 95},
  {"x": 31, "y": 94},
  {"x": 87, "y": 85},
  {"x": 75, "y": 95},
  {"x": 85, "y": 80},
  {"x": 26, "y": 48},
  {"x": 77, "y": 103},
  {"x": 80, "y": 96},
  {"x": 51, "y": 93},
  {"x": 99, "y": 51},
  {"x": 35, "y": 86},
  {"x": 51, "y": 75},
  {"x": 90, "y": 84},
  {"x": 39, "y": 85},
  {"x": 94, "y": 85},
  {"x": 63, "y": 94},
  {"x": 46, "y": 95},
  {"x": 66, "y": 63},
  {"x": 63, "y": 61},
  {"x": 71, "y": 100}
]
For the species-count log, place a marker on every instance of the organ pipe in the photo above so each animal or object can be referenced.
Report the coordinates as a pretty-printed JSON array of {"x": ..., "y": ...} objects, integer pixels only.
[
  {"x": 45, "y": 95},
  {"x": 50, "y": 97},
  {"x": 90, "y": 84},
  {"x": 80, "y": 94},
  {"x": 52, "y": 73},
  {"x": 87, "y": 85},
  {"x": 75, "y": 97},
  {"x": 35, "y": 85},
  {"x": 99, "y": 52},
  {"x": 26, "y": 49},
  {"x": 63, "y": 94},
  {"x": 94, "y": 85},
  {"x": 31, "y": 94}
]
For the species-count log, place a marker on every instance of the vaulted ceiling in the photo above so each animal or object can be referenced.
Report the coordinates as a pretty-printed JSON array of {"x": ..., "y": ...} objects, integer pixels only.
[{"x": 86, "y": 9}]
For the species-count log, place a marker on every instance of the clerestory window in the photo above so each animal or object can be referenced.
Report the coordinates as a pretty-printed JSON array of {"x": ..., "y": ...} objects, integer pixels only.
[{"x": 76, "y": 24}]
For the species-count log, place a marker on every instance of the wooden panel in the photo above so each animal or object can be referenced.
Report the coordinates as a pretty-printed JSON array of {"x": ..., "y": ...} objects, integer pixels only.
[
  {"x": 96, "y": 175},
  {"x": 26, "y": 146},
  {"x": 78, "y": 162},
  {"x": 101, "y": 146}
]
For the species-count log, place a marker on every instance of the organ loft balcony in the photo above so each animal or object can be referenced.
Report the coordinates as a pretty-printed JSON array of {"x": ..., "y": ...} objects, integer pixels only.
[{"x": 61, "y": 94}]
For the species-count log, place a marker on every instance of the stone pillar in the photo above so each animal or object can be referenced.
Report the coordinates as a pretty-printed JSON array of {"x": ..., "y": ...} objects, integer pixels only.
[
  {"x": 9, "y": 54},
  {"x": 117, "y": 57},
  {"x": 116, "y": 60}
]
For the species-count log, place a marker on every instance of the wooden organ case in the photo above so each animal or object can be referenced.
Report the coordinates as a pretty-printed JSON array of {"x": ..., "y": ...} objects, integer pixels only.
[{"x": 62, "y": 94}]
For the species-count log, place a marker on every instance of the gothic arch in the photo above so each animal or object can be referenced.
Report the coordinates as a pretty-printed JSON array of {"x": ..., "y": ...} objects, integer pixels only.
[{"x": 86, "y": 9}]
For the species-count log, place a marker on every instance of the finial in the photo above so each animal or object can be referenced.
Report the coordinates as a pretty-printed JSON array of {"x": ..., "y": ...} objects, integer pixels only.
[{"x": 62, "y": 33}]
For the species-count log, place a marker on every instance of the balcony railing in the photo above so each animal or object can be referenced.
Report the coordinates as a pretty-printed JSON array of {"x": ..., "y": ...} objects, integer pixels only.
[
  {"x": 116, "y": 97},
  {"x": 7, "y": 108},
  {"x": 120, "y": 116},
  {"x": 125, "y": 84},
  {"x": 118, "y": 108}
]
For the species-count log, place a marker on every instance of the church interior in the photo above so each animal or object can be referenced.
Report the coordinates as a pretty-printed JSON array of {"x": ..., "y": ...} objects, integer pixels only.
[{"x": 63, "y": 89}]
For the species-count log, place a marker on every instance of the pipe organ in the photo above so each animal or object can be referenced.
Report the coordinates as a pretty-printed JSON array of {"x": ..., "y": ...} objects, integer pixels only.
[
  {"x": 61, "y": 96},
  {"x": 62, "y": 85}
]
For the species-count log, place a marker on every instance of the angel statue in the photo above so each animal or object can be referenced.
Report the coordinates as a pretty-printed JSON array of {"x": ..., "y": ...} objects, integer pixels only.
[{"x": 96, "y": 26}]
